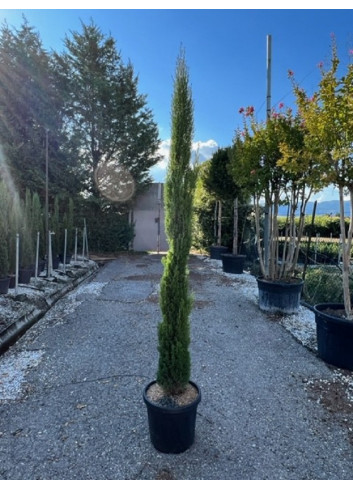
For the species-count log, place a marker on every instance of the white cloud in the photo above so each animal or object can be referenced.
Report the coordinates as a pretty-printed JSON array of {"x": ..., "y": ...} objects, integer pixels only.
[
  {"x": 203, "y": 149},
  {"x": 327, "y": 194}
]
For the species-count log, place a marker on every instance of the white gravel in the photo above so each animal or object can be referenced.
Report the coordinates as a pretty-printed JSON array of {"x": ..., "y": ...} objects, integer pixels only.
[{"x": 13, "y": 370}]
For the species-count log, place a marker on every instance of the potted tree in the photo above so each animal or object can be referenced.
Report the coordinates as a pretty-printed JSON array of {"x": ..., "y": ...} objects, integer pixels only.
[
  {"x": 4, "y": 258},
  {"x": 172, "y": 398},
  {"x": 328, "y": 116},
  {"x": 4, "y": 226},
  {"x": 272, "y": 161},
  {"x": 223, "y": 187},
  {"x": 27, "y": 242}
]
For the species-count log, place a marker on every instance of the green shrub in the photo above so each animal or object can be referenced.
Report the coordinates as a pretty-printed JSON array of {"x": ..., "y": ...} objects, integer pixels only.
[{"x": 322, "y": 284}]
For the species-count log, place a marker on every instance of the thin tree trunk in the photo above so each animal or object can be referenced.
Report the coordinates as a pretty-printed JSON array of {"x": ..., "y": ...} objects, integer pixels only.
[
  {"x": 219, "y": 235},
  {"x": 258, "y": 236},
  {"x": 346, "y": 252},
  {"x": 235, "y": 227}
]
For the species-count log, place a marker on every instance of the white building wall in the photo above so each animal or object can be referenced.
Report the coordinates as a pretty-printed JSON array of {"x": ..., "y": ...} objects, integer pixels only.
[{"x": 148, "y": 217}]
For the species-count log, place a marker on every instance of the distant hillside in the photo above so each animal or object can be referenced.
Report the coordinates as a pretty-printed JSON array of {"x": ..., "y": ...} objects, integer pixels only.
[{"x": 322, "y": 208}]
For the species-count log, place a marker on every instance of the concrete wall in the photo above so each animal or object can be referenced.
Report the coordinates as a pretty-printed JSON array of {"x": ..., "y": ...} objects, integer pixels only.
[{"x": 148, "y": 216}]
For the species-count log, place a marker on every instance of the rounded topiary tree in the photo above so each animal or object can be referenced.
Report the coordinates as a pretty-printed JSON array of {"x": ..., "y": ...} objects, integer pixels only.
[{"x": 174, "y": 365}]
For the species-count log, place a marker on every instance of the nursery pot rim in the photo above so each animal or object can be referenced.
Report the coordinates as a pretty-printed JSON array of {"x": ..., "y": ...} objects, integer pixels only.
[
  {"x": 237, "y": 255},
  {"x": 280, "y": 281},
  {"x": 170, "y": 409},
  {"x": 332, "y": 305}
]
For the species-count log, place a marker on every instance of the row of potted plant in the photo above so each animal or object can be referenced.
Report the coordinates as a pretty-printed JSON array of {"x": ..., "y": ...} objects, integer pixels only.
[
  {"x": 283, "y": 161},
  {"x": 23, "y": 220}
]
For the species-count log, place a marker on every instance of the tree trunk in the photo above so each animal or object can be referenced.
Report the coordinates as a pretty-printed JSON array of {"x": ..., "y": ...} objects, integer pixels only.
[
  {"x": 219, "y": 231},
  {"x": 346, "y": 253},
  {"x": 235, "y": 227}
]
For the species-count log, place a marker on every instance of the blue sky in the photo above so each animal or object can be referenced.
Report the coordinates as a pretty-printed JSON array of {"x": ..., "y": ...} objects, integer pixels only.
[{"x": 225, "y": 52}]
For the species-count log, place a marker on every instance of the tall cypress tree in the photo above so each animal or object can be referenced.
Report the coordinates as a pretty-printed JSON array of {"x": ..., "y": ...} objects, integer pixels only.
[{"x": 175, "y": 298}]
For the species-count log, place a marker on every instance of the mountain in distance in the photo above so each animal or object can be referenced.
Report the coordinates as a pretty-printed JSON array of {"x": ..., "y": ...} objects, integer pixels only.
[{"x": 328, "y": 207}]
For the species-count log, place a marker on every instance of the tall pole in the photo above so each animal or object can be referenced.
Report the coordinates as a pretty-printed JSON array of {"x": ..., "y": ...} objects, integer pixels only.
[
  {"x": 268, "y": 115},
  {"x": 268, "y": 69},
  {"x": 47, "y": 199}
]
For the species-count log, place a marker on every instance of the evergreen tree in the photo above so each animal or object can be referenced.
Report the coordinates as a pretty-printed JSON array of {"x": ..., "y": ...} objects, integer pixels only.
[
  {"x": 4, "y": 230},
  {"x": 30, "y": 106},
  {"x": 105, "y": 115},
  {"x": 175, "y": 299},
  {"x": 38, "y": 224}
]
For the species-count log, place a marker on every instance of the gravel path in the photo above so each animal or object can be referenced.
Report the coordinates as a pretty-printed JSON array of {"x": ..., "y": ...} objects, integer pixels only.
[{"x": 71, "y": 389}]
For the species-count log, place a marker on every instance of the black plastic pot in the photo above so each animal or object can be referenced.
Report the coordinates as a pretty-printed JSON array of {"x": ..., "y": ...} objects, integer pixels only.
[
  {"x": 216, "y": 252},
  {"x": 4, "y": 285},
  {"x": 233, "y": 263},
  {"x": 172, "y": 429},
  {"x": 12, "y": 283},
  {"x": 25, "y": 274},
  {"x": 334, "y": 336},
  {"x": 67, "y": 260},
  {"x": 279, "y": 296},
  {"x": 56, "y": 262}
]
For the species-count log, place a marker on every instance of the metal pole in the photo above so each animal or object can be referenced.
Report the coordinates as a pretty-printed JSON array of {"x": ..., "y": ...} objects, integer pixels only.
[
  {"x": 50, "y": 258},
  {"x": 17, "y": 261},
  {"x": 65, "y": 245},
  {"x": 37, "y": 256},
  {"x": 76, "y": 245},
  {"x": 86, "y": 237},
  {"x": 268, "y": 69},
  {"x": 83, "y": 240},
  {"x": 47, "y": 199},
  {"x": 268, "y": 115},
  {"x": 159, "y": 200}
]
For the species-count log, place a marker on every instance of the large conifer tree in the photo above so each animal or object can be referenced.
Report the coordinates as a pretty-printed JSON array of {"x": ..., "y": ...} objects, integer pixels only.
[
  {"x": 105, "y": 115},
  {"x": 29, "y": 106}
]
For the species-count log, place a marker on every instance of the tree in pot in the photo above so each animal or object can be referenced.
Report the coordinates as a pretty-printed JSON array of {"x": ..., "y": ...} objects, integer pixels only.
[
  {"x": 329, "y": 136},
  {"x": 223, "y": 187},
  {"x": 27, "y": 242},
  {"x": 4, "y": 258},
  {"x": 171, "y": 417},
  {"x": 272, "y": 160}
]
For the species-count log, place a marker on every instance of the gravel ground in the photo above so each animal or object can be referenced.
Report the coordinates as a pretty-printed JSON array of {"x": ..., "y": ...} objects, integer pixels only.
[{"x": 71, "y": 388}]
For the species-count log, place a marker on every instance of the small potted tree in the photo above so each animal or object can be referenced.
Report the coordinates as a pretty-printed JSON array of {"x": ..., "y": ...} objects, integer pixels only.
[
  {"x": 27, "y": 242},
  {"x": 328, "y": 116},
  {"x": 172, "y": 399},
  {"x": 4, "y": 259},
  {"x": 271, "y": 160},
  {"x": 222, "y": 186},
  {"x": 4, "y": 226}
]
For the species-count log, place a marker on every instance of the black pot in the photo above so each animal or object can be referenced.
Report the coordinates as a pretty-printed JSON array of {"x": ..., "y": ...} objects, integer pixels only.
[
  {"x": 56, "y": 262},
  {"x": 4, "y": 285},
  {"x": 216, "y": 251},
  {"x": 41, "y": 265},
  {"x": 334, "y": 336},
  {"x": 67, "y": 260},
  {"x": 233, "y": 263},
  {"x": 12, "y": 284},
  {"x": 279, "y": 296},
  {"x": 172, "y": 429},
  {"x": 25, "y": 274}
]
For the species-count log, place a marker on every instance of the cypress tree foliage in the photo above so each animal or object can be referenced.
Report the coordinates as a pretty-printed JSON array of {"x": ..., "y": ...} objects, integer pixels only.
[
  {"x": 175, "y": 299},
  {"x": 4, "y": 207},
  {"x": 27, "y": 242},
  {"x": 38, "y": 224},
  {"x": 104, "y": 113},
  {"x": 30, "y": 104}
]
